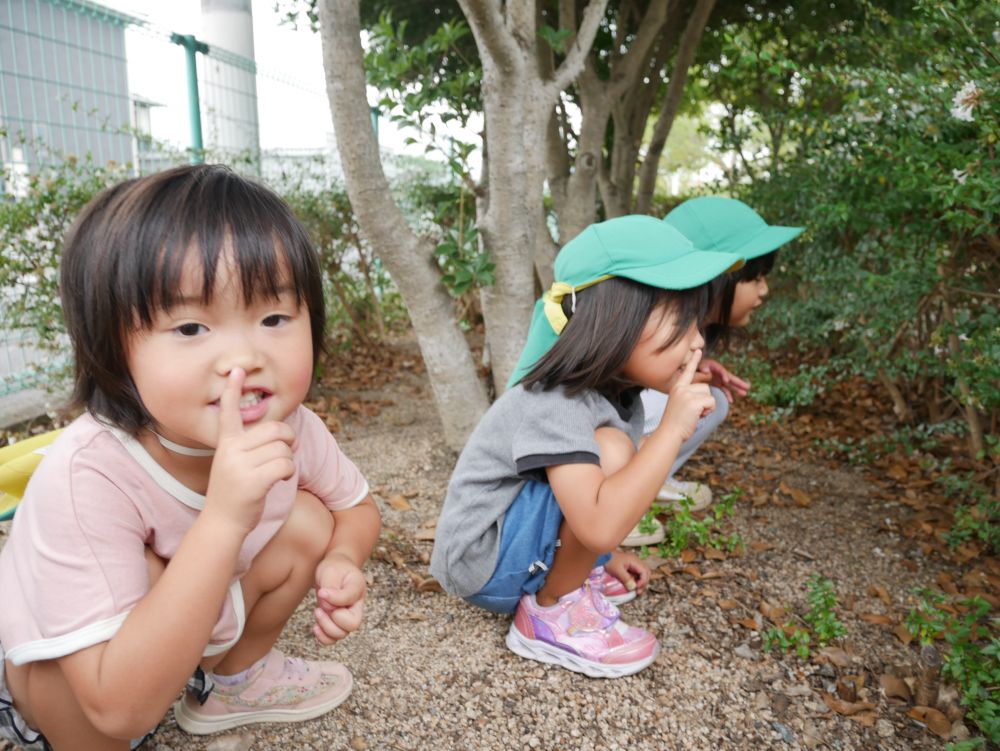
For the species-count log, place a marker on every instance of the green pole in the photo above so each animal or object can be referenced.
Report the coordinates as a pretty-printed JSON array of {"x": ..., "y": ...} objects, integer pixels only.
[{"x": 192, "y": 46}]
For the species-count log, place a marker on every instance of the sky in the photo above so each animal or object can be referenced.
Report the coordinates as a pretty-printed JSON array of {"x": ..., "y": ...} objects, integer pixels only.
[{"x": 292, "y": 106}]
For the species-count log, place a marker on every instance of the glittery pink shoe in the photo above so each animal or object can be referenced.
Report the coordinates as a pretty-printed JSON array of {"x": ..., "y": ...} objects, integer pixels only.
[
  {"x": 278, "y": 689},
  {"x": 582, "y": 632},
  {"x": 611, "y": 587}
]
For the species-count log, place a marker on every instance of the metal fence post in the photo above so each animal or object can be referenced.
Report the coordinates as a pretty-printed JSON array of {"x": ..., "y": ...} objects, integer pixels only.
[{"x": 192, "y": 46}]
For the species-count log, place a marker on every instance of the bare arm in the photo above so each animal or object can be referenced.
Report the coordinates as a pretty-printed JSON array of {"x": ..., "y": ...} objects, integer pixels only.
[
  {"x": 602, "y": 509},
  {"x": 126, "y": 685}
]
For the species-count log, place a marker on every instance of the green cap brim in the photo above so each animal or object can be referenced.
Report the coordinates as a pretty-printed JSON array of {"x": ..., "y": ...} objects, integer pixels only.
[
  {"x": 691, "y": 270},
  {"x": 767, "y": 240}
]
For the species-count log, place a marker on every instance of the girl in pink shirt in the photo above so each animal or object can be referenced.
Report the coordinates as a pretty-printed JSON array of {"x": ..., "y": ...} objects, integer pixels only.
[{"x": 173, "y": 528}]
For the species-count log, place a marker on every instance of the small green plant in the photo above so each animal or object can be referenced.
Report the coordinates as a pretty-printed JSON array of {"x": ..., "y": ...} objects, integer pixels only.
[
  {"x": 822, "y": 602},
  {"x": 684, "y": 529},
  {"x": 820, "y": 622},
  {"x": 973, "y": 656},
  {"x": 788, "y": 637}
]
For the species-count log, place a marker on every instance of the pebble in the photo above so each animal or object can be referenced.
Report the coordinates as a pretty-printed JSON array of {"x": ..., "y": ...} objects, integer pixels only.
[
  {"x": 884, "y": 728},
  {"x": 233, "y": 742}
]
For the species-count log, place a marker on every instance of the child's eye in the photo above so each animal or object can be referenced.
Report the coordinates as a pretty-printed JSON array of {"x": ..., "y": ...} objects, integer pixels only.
[
  {"x": 190, "y": 329},
  {"x": 274, "y": 320}
]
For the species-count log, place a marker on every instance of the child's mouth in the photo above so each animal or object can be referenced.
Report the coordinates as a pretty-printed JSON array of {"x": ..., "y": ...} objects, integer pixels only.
[{"x": 251, "y": 398}]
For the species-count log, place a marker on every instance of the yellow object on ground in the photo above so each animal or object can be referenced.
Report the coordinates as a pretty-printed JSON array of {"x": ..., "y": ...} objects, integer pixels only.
[{"x": 17, "y": 462}]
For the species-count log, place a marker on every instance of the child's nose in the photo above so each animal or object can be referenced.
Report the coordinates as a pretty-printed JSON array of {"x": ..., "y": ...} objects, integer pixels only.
[
  {"x": 699, "y": 341},
  {"x": 240, "y": 354}
]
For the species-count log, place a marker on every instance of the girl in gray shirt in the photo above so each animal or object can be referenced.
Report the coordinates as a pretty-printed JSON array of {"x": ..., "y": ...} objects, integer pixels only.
[{"x": 551, "y": 479}]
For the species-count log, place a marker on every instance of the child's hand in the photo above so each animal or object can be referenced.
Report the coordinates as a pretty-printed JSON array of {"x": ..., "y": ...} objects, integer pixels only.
[
  {"x": 629, "y": 569},
  {"x": 340, "y": 596},
  {"x": 688, "y": 401},
  {"x": 722, "y": 379},
  {"x": 247, "y": 463}
]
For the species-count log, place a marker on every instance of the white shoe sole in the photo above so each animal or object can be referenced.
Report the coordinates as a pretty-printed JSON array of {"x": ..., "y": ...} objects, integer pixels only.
[
  {"x": 195, "y": 724},
  {"x": 620, "y": 599},
  {"x": 533, "y": 649},
  {"x": 637, "y": 539}
]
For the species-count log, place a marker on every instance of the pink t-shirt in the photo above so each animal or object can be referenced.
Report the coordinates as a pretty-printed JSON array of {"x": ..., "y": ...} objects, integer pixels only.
[{"x": 74, "y": 565}]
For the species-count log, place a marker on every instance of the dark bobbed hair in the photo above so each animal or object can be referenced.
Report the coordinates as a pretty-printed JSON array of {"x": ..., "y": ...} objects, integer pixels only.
[
  {"x": 598, "y": 339},
  {"x": 722, "y": 292},
  {"x": 123, "y": 258}
]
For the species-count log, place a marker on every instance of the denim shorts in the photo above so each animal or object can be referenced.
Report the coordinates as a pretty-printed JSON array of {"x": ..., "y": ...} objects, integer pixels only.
[{"x": 528, "y": 543}]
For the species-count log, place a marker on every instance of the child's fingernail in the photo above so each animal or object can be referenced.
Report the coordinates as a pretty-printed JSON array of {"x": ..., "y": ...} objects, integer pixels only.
[{"x": 630, "y": 585}]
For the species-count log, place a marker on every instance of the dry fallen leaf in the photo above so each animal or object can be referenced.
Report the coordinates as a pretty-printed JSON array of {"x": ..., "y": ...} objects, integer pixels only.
[
  {"x": 773, "y": 613},
  {"x": 935, "y": 720},
  {"x": 400, "y": 503},
  {"x": 688, "y": 555},
  {"x": 846, "y": 708},
  {"x": 903, "y": 634},
  {"x": 425, "y": 534},
  {"x": 693, "y": 571},
  {"x": 728, "y": 604},
  {"x": 876, "y": 618},
  {"x": 894, "y": 687},
  {"x": 946, "y": 583},
  {"x": 714, "y": 554},
  {"x": 715, "y": 575},
  {"x": 800, "y": 497},
  {"x": 749, "y": 623},
  {"x": 833, "y": 655},
  {"x": 430, "y": 584}
]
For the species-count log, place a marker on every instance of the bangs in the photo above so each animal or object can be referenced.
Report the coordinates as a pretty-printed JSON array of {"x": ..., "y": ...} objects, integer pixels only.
[
  {"x": 205, "y": 220},
  {"x": 687, "y": 306},
  {"x": 755, "y": 268}
]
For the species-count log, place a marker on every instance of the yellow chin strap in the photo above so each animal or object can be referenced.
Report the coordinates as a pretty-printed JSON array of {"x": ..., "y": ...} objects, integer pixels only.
[{"x": 552, "y": 301}]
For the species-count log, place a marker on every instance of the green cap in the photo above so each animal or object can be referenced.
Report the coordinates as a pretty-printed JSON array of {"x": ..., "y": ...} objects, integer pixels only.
[
  {"x": 728, "y": 226},
  {"x": 639, "y": 248}
]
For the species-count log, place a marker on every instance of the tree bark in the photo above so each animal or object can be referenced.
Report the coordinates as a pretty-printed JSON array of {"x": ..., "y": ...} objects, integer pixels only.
[
  {"x": 517, "y": 103},
  {"x": 461, "y": 398},
  {"x": 671, "y": 103}
]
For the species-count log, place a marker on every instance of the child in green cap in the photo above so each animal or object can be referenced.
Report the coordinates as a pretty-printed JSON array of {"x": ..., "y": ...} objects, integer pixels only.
[
  {"x": 551, "y": 480},
  {"x": 729, "y": 226}
]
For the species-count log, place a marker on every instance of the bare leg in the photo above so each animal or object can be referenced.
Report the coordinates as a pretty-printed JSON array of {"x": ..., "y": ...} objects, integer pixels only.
[
  {"x": 45, "y": 700},
  {"x": 573, "y": 562},
  {"x": 279, "y": 578}
]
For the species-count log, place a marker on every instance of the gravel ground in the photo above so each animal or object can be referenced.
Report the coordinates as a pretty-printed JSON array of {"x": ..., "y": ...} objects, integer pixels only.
[{"x": 433, "y": 673}]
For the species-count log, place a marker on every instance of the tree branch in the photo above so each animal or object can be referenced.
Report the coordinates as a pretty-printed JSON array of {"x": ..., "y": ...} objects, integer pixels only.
[
  {"x": 489, "y": 29},
  {"x": 672, "y": 102},
  {"x": 641, "y": 50},
  {"x": 572, "y": 64}
]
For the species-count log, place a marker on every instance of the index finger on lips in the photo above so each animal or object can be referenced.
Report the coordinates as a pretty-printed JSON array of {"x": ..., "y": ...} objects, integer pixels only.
[
  {"x": 230, "y": 421},
  {"x": 687, "y": 375}
]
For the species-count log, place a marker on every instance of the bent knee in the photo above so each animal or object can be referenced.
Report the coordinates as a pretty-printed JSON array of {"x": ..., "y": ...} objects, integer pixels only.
[
  {"x": 718, "y": 415},
  {"x": 309, "y": 526}
]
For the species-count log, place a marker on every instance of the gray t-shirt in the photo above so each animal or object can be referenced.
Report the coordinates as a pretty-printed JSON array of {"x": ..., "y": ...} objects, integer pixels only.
[{"x": 524, "y": 432}]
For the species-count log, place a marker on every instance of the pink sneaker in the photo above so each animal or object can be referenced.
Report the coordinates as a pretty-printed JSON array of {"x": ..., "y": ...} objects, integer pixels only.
[
  {"x": 582, "y": 632},
  {"x": 611, "y": 587},
  {"x": 278, "y": 689}
]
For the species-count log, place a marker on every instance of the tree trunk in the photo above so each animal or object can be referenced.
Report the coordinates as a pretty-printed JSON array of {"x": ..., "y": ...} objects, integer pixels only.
[
  {"x": 671, "y": 103},
  {"x": 517, "y": 103},
  {"x": 461, "y": 398}
]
